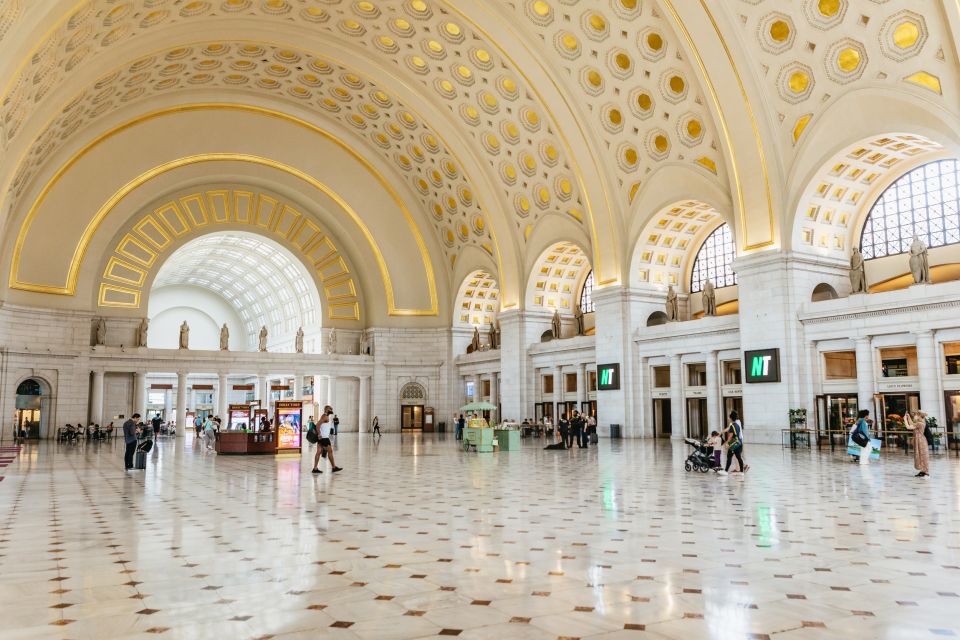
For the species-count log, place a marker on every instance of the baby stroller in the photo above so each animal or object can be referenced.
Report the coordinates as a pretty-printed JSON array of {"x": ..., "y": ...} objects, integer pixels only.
[
  {"x": 701, "y": 458},
  {"x": 144, "y": 446}
]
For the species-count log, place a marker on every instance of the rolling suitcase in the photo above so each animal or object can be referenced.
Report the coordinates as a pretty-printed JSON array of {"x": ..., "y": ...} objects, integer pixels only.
[{"x": 140, "y": 460}]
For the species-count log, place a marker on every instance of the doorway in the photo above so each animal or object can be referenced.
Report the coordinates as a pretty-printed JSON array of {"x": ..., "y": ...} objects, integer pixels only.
[
  {"x": 697, "y": 426},
  {"x": 589, "y": 408},
  {"x": 566, "y": 409},
  {"x": 411, "y": 417},
  {"x": 31, "y": 409},
  {"x": 662, "y": 418},
  {"x": 731, "y": 403},
  {"x": 951, "y": 406},
  {"x": 544, "y": 410},
  {"x": 893, "y": 406}
]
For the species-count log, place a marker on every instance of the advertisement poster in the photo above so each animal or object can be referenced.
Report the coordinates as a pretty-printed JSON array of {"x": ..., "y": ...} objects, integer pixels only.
[
  {"x": 289, "y": 421},
  {"x": 239, "y": 417}
]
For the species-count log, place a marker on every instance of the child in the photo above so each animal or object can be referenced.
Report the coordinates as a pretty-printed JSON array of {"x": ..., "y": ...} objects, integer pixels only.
[{"x": 715, "y": 442}]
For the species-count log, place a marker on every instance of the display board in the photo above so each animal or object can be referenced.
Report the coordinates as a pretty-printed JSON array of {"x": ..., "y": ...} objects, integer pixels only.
[
  {"x": 762, "y": 365},
  {"x": 288, "y": 423},
  {"x": 239, "y": 417},
  {"x": 608, "y": 377}
]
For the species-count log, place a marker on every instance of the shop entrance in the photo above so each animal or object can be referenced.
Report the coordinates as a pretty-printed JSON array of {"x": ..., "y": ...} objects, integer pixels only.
[
  {"x": 30, "y": 420},
  {"x": 894, "y": 405},
  {"x": 589, "y": 408},
  {"x": 544, "y": 410},
  {"x": 411, "y": 417},
  {"x": 566, "y": 409},
  {"x": 732, "y": 403},
  {"x": 697, "y": 418},
  {"x": 951, "y": 406},
  {"x": 662, "y": 419}
]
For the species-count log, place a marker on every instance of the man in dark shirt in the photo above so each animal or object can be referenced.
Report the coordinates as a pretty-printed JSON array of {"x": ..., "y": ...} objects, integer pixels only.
[
  {"x": 130, "y": 440},
  {"x": 576, "y": 426},
  {"x": 563, "y": 426}
]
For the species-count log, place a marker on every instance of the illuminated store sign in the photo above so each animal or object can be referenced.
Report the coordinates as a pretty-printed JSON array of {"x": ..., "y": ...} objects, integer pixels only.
[
  {"x": 608, "y": 377},
  {"x": 762, "y": 365}
]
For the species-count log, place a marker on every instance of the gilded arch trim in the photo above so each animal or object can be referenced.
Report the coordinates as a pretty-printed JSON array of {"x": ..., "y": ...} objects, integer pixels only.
[{"x": 69, "y": 288}]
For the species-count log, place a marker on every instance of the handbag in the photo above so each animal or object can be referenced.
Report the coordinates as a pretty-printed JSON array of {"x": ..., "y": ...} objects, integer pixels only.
[
  {"x": 928, "y": 435},
  {"x": 312, "y": 436},
  {"x": 860, "y": 438}
]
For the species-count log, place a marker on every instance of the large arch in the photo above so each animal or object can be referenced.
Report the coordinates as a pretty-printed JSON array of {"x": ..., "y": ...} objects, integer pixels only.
[
  {"x": 264, "y": 283},
  {"x": 667, "y": 245},
  {"x": 478, "y": 300},
  {"x": 384, "y": 213},
  {"x": 556, "y": 278},
  {"x": 141, "y": 246}
]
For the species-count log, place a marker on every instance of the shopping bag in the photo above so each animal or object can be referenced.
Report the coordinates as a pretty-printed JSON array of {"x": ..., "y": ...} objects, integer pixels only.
[{"x": 854, "y": 450}]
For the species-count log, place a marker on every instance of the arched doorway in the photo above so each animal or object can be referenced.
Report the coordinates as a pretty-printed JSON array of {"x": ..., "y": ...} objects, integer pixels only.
[
  {"x": 32, "y": 408},
  {"x": 413, "y": 398}
]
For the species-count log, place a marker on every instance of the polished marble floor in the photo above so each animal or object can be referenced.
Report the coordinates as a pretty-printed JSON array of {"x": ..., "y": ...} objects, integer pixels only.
[{"x": 416, "y": 539}]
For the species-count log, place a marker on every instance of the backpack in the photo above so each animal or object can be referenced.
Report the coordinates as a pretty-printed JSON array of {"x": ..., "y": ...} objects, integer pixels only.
[
  {"x": 928, "y": 435},
  {"x": 312, "y": 434}
]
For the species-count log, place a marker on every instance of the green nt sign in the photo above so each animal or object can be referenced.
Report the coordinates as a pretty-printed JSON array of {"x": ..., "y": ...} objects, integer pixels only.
[
  {"x": 762, "y": 365},
  {"x": 608, "y": 377}
]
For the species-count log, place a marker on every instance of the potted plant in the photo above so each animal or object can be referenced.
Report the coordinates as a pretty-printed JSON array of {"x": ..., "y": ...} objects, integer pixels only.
[{"x": 798, "y": 418}]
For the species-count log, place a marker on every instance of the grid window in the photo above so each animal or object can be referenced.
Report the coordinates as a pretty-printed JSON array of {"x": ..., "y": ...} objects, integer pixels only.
[
  {"x": 922, "y": 203},
  {"x": 586, "y": 295},
  {"x": 715, "y": 261}
]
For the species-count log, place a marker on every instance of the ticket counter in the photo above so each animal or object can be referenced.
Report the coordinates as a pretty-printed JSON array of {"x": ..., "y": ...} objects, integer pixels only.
[{"x": 245, "y": 443}]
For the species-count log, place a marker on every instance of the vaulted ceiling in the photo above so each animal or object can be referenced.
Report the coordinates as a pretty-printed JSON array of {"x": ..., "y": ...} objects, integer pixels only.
[{"x": 491, "y": 121}]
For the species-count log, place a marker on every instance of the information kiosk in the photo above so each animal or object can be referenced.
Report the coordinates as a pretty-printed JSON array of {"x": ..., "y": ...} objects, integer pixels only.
[{"x": 288, "y": 424}]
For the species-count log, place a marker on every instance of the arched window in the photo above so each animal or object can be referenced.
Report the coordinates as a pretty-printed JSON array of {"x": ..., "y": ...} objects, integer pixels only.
[
  {"x": 586, "y": 295},
  {"x": 924, "y": 203},
  {"x": 715, "y": 261}
]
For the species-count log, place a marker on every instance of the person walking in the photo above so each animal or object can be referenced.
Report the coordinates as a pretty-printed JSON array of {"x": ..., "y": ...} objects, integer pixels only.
[
  {"x": 129, "y": 441},
  {"x": 734, "y": 433},
  {"x": 324, "y": 446},
  {"x": 376, "y": 426},
  {"x": 461, "y": 425},
  {"x": 916, "y": 421},
  {"x": 860, "y": 436},
  {"x": 336, "y": 425},
  {"x": 210, "y": 434}
]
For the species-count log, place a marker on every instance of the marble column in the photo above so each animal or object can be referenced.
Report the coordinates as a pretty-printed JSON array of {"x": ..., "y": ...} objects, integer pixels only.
[
  {"x": 320, "y": 390},
  {"x": 96, "y": 398},
  {"x": 140, "y": 394},
  {"x": 644, "y": 427},
  {"x": 263, "y": 391},
  {"x": 181, "y": 401},
  {"x": 715, "y": 417},
  {"x": 495, "y": 392},
  {"x": 678, "y": 428},
  {"x": 223, "y": 393},
  {"x": 865, "y": 375},
  {"x": 477, "y": 388},
  {"x": 581, "y": 386},
  {"x": 363, "y": 415},
  {"x": 928, "y": 369},
  {"x": 167, "y": 405},
  {"x": 332, "y": 392},
  {"x": 298, "y": 386},
  {"x": 557, "y": 391}
]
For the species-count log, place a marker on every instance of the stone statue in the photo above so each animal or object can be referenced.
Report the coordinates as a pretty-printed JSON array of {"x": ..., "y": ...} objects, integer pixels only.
[
  {"x": 101, "y": 338},
  {"x": 493, "y": 336},
  {"x": 578, "y": 316},
  {"x": 673, "y": 305},
  {"x": 475, "y": 342},
  {"x": 298, "y": 342},
  {"x": 263, "y": 338},
  {"x": 364, "y": 344},
  {"x": 556, "y": 325},
  {"x": 709, "y": 299},
  {"x": 224, "y": 338},
  {"x": 332, "y": 342},
  {"x": 858, "y": 273},
  {"x": 919, "y": 263},
  {"x": 184, "y": 335},
  {"x": 142, "y": 332}
]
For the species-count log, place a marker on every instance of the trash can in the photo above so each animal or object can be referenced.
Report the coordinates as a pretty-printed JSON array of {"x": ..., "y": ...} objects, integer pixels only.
[
  {"x": 441, "y": 427},
  {"x": 615, "y": 431}
]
